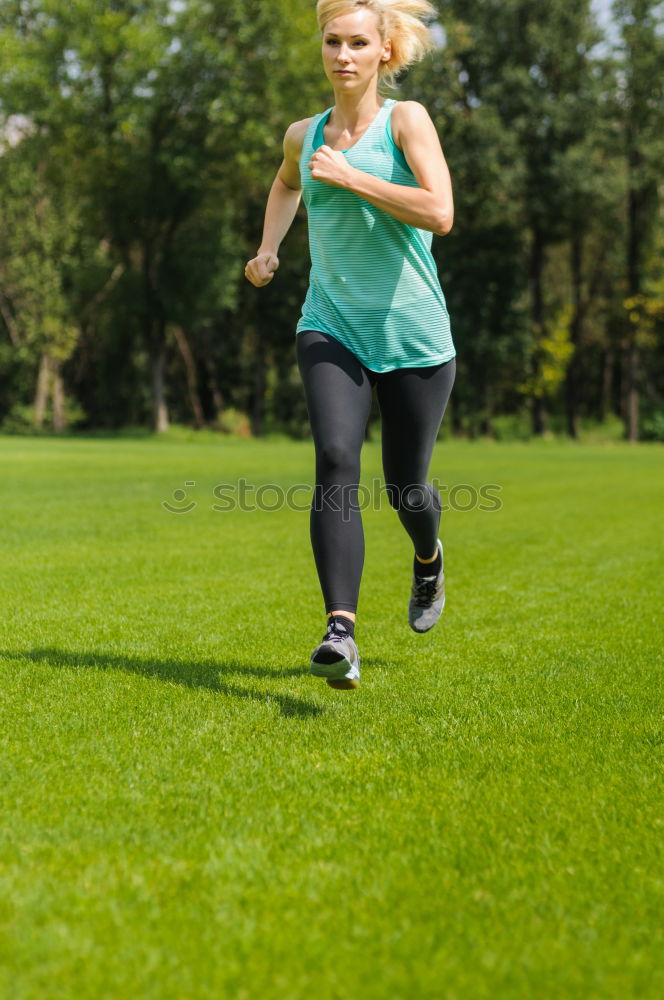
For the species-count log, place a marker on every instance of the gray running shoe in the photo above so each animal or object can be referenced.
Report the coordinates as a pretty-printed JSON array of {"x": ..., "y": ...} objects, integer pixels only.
[
  {"x": 337, "y": 659},
  {"x": 427, "y": 599}
]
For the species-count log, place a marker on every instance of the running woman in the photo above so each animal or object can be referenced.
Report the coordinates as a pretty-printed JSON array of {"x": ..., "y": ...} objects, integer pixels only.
[{"x": 376, "y": 186}]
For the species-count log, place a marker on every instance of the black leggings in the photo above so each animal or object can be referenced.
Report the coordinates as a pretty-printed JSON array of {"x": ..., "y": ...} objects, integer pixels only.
[{"x": 338, "y": 390}]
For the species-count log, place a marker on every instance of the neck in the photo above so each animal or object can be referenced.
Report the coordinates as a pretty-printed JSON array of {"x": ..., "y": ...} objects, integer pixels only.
[{"x": 353, "y": 109}]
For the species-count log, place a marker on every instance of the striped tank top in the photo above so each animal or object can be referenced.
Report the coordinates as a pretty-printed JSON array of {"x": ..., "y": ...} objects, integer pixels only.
[{"x": 373, "y": 283}]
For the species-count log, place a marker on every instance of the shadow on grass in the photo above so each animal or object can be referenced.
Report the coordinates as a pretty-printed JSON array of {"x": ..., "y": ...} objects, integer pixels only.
[{"x": 207, "y": 674}]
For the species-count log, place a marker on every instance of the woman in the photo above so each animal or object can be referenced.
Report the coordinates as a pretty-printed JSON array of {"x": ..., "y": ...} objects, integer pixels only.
[{"x": 376, "y": 186}]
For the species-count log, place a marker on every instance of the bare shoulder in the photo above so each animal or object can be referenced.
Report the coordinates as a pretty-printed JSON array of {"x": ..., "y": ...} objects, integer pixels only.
[
  {"x": 294, "y": 138},
  {"x": 289, "y": 171},
  {"x": 407, "y": 117}
]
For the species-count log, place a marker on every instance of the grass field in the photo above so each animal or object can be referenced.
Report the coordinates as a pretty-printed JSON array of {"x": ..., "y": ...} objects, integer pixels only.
[{"x": 186, "y": 813}]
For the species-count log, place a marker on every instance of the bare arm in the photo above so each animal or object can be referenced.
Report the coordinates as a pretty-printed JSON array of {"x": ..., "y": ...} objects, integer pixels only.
[
  {"x": 429, "y": 206},
  {"x": 282, "y": 204}
]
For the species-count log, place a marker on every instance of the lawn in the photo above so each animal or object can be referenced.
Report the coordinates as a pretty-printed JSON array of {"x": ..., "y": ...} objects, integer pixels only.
[{"x": 187, "y": 813}]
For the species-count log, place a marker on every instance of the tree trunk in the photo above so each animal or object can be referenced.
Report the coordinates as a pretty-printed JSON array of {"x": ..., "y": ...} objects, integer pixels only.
[
  {"x": 10, "y": 322},
  {"x": 538, "y": 403},
  {"x": 486, "y": 425},
  {"x": 539, "y": 415},
  {"x": 192, "y": 376},
  {"x": 154, "y": 332},
  {"x": 258, "y": 406},
  {"x": 605, "y": 402},
  {"x": 59, "y": 419},
  {"x": 159, "y": 408},
  {"x": 215, "y": 391},
  {"x": 42, "y": 391},
  {"x": 454, "y": 415},
  {"x": 571, "y": 376},
  {"x": 634, "y": 253},
  {"x": 632, "y": 395}
]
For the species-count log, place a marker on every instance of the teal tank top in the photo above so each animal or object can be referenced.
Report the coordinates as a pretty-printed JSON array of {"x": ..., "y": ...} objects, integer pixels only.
[{"x": 373, "y": 283}]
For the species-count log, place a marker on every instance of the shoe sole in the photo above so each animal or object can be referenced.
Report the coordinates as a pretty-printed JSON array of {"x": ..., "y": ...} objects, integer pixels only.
[
  {"x": 346, "y": 684},
  {"x": 335, "y": 674}
]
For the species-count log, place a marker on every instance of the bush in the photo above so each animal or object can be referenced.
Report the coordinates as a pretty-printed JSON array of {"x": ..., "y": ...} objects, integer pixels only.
[
  {"x": 21, "y": 419},
  {"x": 232, "y": 421},
  {"x": 652, "y": 428},
  {"x": 512, "y": 427}
]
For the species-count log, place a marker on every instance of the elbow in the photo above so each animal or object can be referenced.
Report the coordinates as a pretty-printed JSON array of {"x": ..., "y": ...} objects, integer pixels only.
[{"x": 443, "y": 223}]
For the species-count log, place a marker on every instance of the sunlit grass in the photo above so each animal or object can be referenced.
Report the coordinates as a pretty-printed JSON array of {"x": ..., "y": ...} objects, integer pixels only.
[{"x": 186, "y": 813}]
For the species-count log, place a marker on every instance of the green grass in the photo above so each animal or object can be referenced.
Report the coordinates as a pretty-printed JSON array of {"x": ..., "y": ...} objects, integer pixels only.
[{"x": 186, "y": 813}]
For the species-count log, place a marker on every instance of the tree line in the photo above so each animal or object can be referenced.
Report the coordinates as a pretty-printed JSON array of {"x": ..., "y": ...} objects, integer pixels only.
[{"x": 138, "y": 141}]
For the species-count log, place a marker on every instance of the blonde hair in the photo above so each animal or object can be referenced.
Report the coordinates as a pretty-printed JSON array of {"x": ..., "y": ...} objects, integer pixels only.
[{"x": 402, "y": 21}]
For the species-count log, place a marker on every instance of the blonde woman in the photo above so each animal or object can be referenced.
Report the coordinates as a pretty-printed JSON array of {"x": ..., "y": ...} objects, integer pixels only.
[{"x": 376, "y": 186}]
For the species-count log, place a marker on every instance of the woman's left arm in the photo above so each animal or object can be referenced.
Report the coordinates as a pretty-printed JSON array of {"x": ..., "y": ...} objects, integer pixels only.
[{"x": 429, "y": 206}]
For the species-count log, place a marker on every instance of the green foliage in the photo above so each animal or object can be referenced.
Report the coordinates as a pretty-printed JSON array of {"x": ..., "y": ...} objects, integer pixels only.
[
  {"x": 554, "y": 351},
  {"x": 511, "y": 426},
  {"x": 233, "y": 421},
  {"x": 139, "y": 141},
  {"x": 653, "y": 426},
  {"x": 21, "y": 419},
  {"x": 37, "y": 240}
]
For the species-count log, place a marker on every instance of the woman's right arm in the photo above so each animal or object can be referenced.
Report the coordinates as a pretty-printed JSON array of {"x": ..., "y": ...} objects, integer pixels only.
[{"x": 282, "y": 205}]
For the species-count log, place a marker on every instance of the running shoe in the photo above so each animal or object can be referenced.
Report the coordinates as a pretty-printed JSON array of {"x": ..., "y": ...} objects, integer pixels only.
[
  {"x": 427, "y": 598},
  {"x": 337, "y": 659}
]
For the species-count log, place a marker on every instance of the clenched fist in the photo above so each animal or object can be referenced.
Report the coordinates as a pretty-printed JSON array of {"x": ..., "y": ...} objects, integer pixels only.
[
  {"x": 330, "y": 166},
  {"x": 260, "y": 270}
]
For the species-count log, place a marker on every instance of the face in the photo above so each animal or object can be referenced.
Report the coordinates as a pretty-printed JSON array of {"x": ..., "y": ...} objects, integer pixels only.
[{"x": 353, "y": 49}]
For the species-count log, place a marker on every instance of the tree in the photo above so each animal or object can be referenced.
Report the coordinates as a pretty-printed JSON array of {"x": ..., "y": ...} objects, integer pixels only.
[
  {"x": 641, "y": 103},
  {"x": 37, "y": 238},
  {"x": 164, "y": 113},
  {"x": 514, "y": 92}
]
